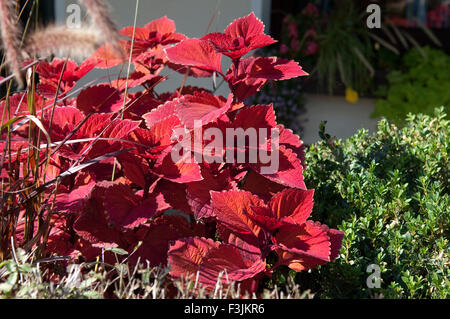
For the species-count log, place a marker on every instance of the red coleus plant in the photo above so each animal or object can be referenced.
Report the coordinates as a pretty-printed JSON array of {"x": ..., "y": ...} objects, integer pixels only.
[{"x": 111, "y": 160}]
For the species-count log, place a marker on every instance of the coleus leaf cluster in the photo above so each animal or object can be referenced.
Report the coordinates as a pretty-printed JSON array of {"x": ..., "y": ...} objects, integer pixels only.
[{"x": 231, "y": 215}]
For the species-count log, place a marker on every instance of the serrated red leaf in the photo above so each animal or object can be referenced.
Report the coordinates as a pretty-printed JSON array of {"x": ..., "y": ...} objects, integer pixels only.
[
  {"x": 201, "y": 106},
  {"x": 65, "y": 119},
  {"x": 230, "y": 259},
  {"x": 135, "y": 168},
  {"x": 107, "y": 57},
  {"x": 117, "y": 130},
  {"x": 232, "y": 208},
  {"x": 302, "y": 247},
  {"x": 290, "y": 170},
  {"x": 294, "y": 203},
  {"x": 174, "y": 194},
  {"x": 257, "y": 116},
  {"x": 274, "y": 68},
  {"x": 240, "y": 37},
  {"x": 293, "y": 142},
  {"x": 73, "y": 201},
  {"x": 253, "y": 73},
  {"x": 157, "y": 236},
  {"x": 261, "y": 186},
  {"x": 210, "y": 259},
  {"x": 92, "y": 224},
  {"x": 125, "y": 209},
  {"x": 198, "y": 193},
  {"x": 180, "y": 171},
  {"x": 100, "y": 98},
  {"x": 160, "y": 113},
  {"x": 190, "y": 70},
  {"x": 185, "y": 255},
  {"x": 196, "y": 53},
  {"x": 135, "y": 79}
]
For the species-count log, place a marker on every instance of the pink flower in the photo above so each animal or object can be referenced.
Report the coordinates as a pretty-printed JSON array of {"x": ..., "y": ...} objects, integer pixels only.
[
  {"x": 311, "y": 48},
  {"x": 293, "y": 31},
  {"x": 311, "y": 10},
  {"x": 286, "y": 19},
  {"x": 311, "y": 33},
  {"x": 438, "y": 16},
  {"x": 284, "y": 49}
]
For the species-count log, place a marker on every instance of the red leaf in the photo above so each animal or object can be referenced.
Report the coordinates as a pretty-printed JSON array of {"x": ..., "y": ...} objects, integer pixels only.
[
  {"x": 294, "y": 203},
  {"x": 232, "y": 208},
  {"x": 258, "y": 116},
  {"x": 273, "y": 68},
  {"x": 94, "y": 125},
  {"x": 253, "y": 73},
  {"x": 174, "y": 194},
  {"x": 240, "y": 37},
  {"x": 196, "y": 53},
  {"x": 73, "y": 201},
  {"x": 190, "y": 70},
  {"x": 185, "y": 255},
  {"x": 289, "y": 173},
  {"x": 157, "y": 237},
  {"x": 336, "y": 237},
  {"x": 159, "y": 134},
  {"x": 160, "y": 113},
  {"x": 230, "y": 259},
  {"x": 162, "y": 25},
  {"x": 198, "y": 193},
  {"x": 135, "y": 79},
  {"x": 125, "y": 209},
  {"x": 100, "y": 98},
  {"x": 139, "y": 33},
  {"x": 261, "y": 186},
  {"x": 118, "y": 129},
  {"x": 245, "y": 27},
  {"x": 92, "y": 224},
  {"x": 178, "y": 172},
  {"x": 292, "y": 141},
  {"x": 302, "y": 247},
  {"x": 262, "y": 216},
  {"x": 191, "y": 255},
  {"x": 134, "y": 168},
  {"x": 65, "y": 119},
  {"x": 107, "y": 57},
  {"x": 203, "y": 107}
]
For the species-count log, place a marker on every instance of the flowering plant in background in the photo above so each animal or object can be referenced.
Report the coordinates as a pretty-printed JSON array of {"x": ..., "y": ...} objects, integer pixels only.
[
  {"x": 89, "y": 174},
  {"x": 300, "y": 33},
  {"x": 439, "y": 17}
]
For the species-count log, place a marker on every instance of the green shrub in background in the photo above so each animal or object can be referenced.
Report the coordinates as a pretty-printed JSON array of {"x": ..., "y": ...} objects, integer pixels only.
[
  {"x": 422, "y": 85},
  {"x": 389, "y": 192}
]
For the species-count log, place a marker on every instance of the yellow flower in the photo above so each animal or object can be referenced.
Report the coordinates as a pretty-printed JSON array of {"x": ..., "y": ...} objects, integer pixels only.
[{"x": 351, "y": 95}]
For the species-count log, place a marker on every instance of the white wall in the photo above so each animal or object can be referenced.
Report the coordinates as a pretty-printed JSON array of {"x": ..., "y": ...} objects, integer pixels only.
[{"x": 343, "y": 118}]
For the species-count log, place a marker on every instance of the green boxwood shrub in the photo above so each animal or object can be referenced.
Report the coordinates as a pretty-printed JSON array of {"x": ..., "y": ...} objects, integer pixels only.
[
  {"x": 420, "y": 85},
  {"x": 389, "y": 192}
]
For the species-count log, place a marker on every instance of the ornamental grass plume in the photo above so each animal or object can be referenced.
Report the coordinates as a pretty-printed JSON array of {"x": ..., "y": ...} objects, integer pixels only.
[
  {"x": 10, "y": 34},
  {"x": 46, "y": 41},
  {"x": 78, "y": 43},
  {"x": 101, "y": 17}
]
